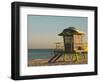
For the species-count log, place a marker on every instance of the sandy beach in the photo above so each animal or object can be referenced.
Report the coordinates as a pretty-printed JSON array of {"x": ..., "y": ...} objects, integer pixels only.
[{"x": 60, "y": 61}]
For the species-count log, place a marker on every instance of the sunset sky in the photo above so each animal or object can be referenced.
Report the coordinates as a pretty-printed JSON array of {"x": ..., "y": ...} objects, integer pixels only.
[{"x": 43, "y": 30}]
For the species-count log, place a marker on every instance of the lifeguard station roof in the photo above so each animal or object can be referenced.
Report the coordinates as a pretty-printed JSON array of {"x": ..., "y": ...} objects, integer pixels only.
[{"x": 71, "y": 31}]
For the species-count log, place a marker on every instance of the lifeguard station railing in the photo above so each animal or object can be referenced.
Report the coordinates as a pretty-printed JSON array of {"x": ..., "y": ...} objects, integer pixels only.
[
  {"x": 79, "y": 46},
  {"x": 59, "y": 46},
  {"x": 58, "y": 50}
]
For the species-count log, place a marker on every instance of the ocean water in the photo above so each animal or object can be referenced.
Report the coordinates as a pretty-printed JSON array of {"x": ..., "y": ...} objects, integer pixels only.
[{"x": 40, "y": 53}]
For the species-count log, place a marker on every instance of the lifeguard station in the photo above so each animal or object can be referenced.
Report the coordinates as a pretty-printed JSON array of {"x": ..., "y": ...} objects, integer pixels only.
[{"x": 73, "y": 44}]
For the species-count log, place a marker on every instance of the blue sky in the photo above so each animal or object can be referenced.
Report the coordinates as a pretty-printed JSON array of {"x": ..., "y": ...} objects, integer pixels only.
[{"x": 43, "y": 30}]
